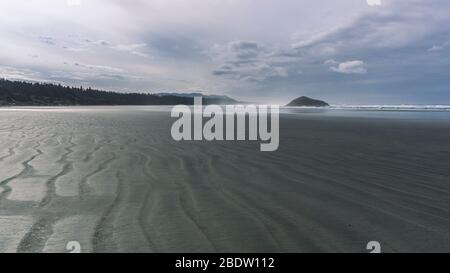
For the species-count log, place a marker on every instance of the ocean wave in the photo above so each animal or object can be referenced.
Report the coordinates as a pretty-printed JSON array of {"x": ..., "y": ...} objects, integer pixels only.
[{"x": 400, "y": 107}]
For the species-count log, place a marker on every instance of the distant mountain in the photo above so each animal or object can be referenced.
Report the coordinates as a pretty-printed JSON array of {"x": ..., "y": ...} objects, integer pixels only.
[
  {"x": 305, "y": 101},
  {"x": 189, "y": 95},
  {"x": 199, "y": 94},
  {"x": 13, "y": 93}
]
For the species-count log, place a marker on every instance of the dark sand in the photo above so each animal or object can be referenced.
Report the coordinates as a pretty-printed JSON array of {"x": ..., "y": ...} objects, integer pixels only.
[{"x": 114, "y": 180}]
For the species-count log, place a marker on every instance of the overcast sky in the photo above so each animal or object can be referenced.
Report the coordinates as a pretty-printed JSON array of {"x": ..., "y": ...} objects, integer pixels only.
[{"x": 342, "y": 51}]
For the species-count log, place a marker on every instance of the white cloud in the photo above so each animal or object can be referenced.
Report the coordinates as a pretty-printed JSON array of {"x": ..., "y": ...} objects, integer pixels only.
[
  {"x": 19, "y": 74},
  {"x": 330, "y": 62},
  {"x": 130, "y": 48},
  {"x": 439, "y": 47},
  {"x": 100, "y": 68},
  {"x": 350, "y": 67},
  {"x": 374, "y": 2},
  {"x": 73, "y": 3}
]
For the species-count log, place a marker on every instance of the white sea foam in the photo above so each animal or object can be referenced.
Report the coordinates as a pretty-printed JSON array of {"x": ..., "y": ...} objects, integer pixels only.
[
  {"x": 387, "y": 107},
  {"x": 379, "y": 107}
]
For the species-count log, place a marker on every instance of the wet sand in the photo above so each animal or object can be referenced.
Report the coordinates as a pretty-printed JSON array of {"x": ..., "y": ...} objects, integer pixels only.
[{"x": 114, "y": 180}]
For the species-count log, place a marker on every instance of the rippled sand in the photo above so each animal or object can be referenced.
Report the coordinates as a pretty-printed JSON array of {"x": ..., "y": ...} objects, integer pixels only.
[{"x": 114, "y": 180}]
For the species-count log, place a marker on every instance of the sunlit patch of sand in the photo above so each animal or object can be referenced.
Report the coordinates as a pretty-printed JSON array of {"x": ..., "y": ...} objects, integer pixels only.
[{"x": 28, "y": 189}]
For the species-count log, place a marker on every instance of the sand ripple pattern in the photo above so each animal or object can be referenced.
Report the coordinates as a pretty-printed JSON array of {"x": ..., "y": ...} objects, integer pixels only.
[{"x": 113, "y": 179}]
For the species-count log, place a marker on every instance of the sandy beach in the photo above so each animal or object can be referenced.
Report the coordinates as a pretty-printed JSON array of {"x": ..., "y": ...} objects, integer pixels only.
[{"x": 113, "y": 179}]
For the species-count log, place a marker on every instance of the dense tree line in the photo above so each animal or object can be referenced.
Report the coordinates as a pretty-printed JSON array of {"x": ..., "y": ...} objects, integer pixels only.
[{"x": 45, "y": 94}]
